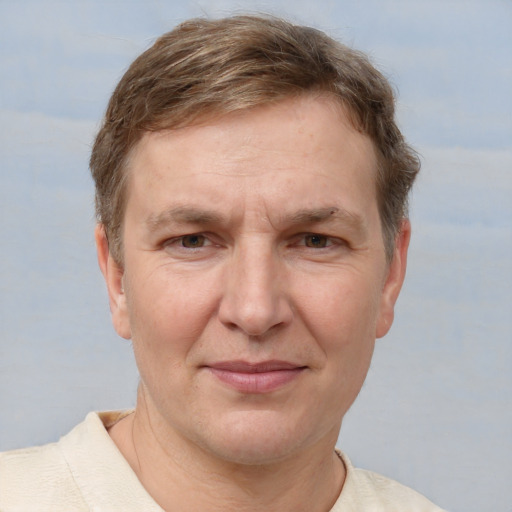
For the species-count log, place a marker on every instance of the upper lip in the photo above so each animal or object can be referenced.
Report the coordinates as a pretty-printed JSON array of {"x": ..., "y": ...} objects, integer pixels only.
[{"x": 254, "y": 367}]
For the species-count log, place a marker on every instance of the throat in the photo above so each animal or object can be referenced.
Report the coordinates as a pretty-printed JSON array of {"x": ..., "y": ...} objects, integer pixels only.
[{"x": 178, "y": 481}]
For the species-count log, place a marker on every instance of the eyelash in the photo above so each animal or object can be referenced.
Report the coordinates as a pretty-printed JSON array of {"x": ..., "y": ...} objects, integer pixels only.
[
  {"x": 179, "y": 241},
  {"x": 325, "y": 240}
]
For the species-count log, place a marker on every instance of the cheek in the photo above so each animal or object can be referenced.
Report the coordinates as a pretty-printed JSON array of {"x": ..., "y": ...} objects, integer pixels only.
[
  {"x": 166, "y": 325},
  {"x": 168, "y": 312},
  {"x": 341, "y": 311},
  {"x": 340, "y": 316}
]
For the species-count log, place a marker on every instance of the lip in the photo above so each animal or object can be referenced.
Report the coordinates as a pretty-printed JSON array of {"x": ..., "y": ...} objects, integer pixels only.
[{"x": 255, "y": 378}]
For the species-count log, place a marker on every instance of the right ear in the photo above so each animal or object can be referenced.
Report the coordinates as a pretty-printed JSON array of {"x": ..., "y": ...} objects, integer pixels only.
[{"x": 113, "y": 274}]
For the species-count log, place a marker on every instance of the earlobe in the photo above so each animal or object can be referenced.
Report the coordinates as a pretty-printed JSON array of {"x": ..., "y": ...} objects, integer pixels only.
[
  {"x": 113, "y": 274},
  {"x": 394, "y": 280}
]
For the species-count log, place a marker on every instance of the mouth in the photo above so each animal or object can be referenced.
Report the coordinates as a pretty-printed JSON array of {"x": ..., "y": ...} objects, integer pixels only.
[{"x": 255, "y": 378}]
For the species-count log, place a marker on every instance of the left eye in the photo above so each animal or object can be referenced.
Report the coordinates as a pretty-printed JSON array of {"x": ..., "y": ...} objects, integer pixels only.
[{"x": 316, "y": 241}]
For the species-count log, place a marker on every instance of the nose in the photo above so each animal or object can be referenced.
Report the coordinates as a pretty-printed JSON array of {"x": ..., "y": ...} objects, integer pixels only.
[{"x": 254, "y": 296}]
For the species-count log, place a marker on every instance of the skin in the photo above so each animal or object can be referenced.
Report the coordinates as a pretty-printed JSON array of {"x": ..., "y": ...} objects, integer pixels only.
[{"x": 252, "y": 238}]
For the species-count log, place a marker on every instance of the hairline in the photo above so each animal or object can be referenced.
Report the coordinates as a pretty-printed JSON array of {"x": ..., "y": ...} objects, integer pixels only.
[{"x": 213, "y": 115}]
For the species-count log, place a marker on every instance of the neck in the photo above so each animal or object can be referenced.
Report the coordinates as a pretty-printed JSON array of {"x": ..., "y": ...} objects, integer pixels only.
[{"x": 179, "y": 475}]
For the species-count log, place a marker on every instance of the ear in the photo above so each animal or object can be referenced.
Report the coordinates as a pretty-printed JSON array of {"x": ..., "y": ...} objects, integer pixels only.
[
  {"x": 394, "y": 280},
  {"x": 113, "y": 274}
]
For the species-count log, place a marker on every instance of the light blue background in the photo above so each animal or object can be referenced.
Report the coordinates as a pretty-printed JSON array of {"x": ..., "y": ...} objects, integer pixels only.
[{"x": 435, "y": 412}]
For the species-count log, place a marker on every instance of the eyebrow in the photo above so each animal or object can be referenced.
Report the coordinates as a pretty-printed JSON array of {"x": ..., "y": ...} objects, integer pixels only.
[
  {"x": 184, "y": 215},
  {"x": 330, "y": 213},
  {"x": 194, "y": 215},
  {"x": 310, "y": 216}
]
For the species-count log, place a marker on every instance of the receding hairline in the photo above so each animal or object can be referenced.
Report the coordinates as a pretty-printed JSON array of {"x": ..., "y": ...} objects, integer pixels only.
[
  {"x": 291, "y": 60},
  {"x": 345, "y": 115},
  {"x": 341, "y": 108}
]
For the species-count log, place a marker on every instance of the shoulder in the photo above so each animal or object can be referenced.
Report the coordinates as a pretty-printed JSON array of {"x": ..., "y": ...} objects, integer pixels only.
[
  {"x": 51, "y": 477},
  {"x": 37, "y": 479},
  {"x": 369, "y": 491},
  {"x": 83, "y": 471}
]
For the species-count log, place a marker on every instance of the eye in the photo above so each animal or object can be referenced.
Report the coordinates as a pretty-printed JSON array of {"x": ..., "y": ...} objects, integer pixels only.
[
  {"x": 193, "y": 246},
  {"x": 316, "y": 241},
  {"x": 193, "y": 241}
]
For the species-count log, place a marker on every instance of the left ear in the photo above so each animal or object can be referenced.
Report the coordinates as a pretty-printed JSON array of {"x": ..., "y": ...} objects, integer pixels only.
[{"x": 394, "y": 280}]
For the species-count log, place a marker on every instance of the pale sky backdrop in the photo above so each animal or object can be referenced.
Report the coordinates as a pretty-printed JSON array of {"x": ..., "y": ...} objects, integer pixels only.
[{"x": 436, "y": 410}]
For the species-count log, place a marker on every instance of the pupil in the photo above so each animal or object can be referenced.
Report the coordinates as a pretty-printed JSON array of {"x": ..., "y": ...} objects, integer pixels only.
[
  {"x": 192, "y": 241},
  {"x": 316, "y": 241}
]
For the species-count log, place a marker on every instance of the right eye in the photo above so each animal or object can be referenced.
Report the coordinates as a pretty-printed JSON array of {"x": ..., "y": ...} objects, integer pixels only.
[{"x": 193, "y": 241}]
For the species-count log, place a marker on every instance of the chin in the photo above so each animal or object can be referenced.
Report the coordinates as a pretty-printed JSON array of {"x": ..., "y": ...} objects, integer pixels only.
[{"x": 256, "y": 438}]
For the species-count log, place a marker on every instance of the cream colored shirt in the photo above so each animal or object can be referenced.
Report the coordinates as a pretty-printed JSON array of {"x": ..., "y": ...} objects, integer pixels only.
[{"x": 85, "y": 471}]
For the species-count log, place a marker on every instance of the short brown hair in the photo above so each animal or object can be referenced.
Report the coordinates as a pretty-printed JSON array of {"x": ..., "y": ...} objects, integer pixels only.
[{"x": 206, "y": 68}]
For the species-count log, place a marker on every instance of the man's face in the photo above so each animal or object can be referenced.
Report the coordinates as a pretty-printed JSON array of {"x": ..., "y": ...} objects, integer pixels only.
[{"x": 255, "y": 280}]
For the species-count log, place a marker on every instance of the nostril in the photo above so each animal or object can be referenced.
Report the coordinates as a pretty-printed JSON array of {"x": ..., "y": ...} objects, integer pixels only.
[
  {"x": 255, "y": 320},
  {"x": 253, "y": 298}
]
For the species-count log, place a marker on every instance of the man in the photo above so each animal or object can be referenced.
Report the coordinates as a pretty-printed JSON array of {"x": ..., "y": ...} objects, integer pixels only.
[{"x": 251, "y": 189}]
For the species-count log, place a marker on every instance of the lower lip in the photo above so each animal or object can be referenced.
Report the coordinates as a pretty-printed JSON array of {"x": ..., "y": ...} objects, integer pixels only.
[{"x": 257, "y": 383}]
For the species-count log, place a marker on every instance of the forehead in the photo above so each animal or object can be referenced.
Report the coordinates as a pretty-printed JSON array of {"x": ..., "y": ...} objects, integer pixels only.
[{"x": 297, "y": 143}]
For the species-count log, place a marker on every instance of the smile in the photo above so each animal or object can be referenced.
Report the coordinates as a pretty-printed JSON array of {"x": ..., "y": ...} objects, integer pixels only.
[{"x": 255, "y": 378}]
